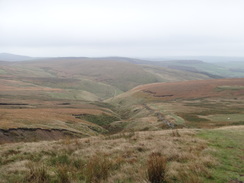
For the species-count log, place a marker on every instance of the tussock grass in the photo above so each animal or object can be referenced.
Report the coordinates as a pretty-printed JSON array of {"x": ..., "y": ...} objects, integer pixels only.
[
  {"x": 63, "y": 174},
  {"x": 37, "y": 174},
  {"x": 156, "y": 168},
  {"x": 126, "y": 157},
  {"x": 97, "y": 168},
  {"x": 175, "y": 133}
]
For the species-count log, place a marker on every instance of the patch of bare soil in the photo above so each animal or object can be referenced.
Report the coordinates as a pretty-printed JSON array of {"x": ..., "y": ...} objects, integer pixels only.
[{"x": 34, "y": 134}]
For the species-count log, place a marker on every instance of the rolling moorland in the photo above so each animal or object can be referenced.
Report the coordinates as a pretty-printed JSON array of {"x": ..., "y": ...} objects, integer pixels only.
[{"x": 120, "y": 120}]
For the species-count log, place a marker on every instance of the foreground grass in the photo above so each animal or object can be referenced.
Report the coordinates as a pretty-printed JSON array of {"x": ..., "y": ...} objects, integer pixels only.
[
  {"x": 229, "y": 151},
  {"x": 122, "y": 158},
  {"x": 171, "y": 156}
]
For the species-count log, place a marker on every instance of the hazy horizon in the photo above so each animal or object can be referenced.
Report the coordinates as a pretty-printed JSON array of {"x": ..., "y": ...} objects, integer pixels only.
[
  {"x": 22, "y": 53},
  {"x": 138, "y": 28}
]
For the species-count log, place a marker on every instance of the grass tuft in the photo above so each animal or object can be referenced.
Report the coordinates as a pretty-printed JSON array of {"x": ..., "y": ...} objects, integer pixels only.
[
  {"x": 98, "y": 168},
  {"x": 156, "y": 168},
  {"x": 175, "y": 133},
  {"x": 62, "y": 173},
  {"x": 37, "y": 174}
]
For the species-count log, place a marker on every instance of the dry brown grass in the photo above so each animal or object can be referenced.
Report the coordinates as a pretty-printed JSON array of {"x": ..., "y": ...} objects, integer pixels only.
[
  {"x": 121, "y": 157},
  {"x": 156, "y": 168},
  {"x": 192, "y": 89},
  {"x": 37, "y": 174},
  {"x": 97, "y": 168},
  {"x": 63, "y": 174},
  {"x": 198, "y": 104},
  {"x": 49, "y": 118}
]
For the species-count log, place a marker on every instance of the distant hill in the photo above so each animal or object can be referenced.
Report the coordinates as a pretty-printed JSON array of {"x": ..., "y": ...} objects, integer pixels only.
[
  {"x": 213, "y": 70},
  {"x": 211, "y": 59},
  {"x": 3, "y": 62},
  {"x": 222, "y": 68},
  {"x": 214, "y": 67},
  {"x": 100, "y": 77},
  {"x": 13, "y": 57}
]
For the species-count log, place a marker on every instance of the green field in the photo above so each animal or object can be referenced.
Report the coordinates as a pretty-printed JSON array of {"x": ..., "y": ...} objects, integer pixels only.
[{"x": 229, "y": 150}]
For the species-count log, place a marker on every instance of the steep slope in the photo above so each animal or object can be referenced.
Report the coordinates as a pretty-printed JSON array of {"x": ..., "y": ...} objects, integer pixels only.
[{"x": 51, "y": 120}]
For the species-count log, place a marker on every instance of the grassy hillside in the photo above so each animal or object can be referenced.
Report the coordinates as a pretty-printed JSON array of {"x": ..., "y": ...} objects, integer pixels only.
[
  {"x": 164, "y": 74},
  {"x": 102, "y": 78},
  {"x": 173, "y": 156},
  {"x": 46, "y": 84},
  {"x": 205, "y": 103},
  {"x": 101, "y": 120},
  {"x": 122, "y": 75},
  {"x": 47, "y": 96},
  {"x": 32, "y": 110}
]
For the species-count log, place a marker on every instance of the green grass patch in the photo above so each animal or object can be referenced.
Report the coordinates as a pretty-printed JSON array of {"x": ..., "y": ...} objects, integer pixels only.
[
  {"x": 73, "y": 95},
  {"x": 192, "y": 117},
  {"x": 102, "y": 119},
  {"x": 220, "y": 88},
  {"x": 238, "y": 123},
  {"x": 2, "y": 71},
  {"x": 60, "y": 159},
  {"x": 229, "y": 147},
  {"x": 225, "y": 117},
  {"x": 178, "y": 119}
]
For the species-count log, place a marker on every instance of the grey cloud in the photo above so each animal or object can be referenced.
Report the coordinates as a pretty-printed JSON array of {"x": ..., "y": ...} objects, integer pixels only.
[{"x": 125, "y": 28}]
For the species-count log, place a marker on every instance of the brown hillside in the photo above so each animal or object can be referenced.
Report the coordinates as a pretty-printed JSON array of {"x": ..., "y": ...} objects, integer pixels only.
[
  {"x": 194, "y": 89},
  {"x": 202, "y": 104}
]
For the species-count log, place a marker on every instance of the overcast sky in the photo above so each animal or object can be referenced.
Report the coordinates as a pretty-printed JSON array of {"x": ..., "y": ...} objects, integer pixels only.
[{"x": 135, "y": 28}]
